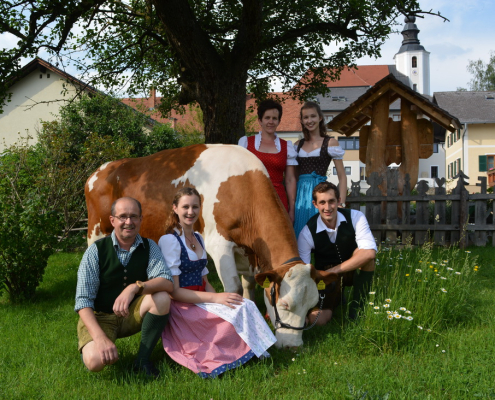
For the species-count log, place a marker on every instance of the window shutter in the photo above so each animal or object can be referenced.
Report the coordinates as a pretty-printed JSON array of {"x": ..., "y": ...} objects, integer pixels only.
[{"x": 482, "y": 163}]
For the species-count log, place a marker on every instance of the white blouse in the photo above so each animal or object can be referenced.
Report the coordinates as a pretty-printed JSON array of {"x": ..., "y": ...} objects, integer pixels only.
[
  {"x": 291, "y": 152},
  {"x": 171, "y": 250},
  {"x": 336, "y": 152}
]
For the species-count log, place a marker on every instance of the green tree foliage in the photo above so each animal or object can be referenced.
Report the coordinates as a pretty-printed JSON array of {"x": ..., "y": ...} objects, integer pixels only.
[
  {"x": 204, "y": 51},
  {"x": 483, "y": 74},
  {"x": 107, "y": 116}
]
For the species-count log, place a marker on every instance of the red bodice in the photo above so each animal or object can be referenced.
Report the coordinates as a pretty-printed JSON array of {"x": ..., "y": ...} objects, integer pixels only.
[{"x": 275, "y": 164}]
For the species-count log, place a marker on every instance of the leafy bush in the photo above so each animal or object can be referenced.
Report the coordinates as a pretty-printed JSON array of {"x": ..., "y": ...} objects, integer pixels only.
[{"x": 41, "y": 199}]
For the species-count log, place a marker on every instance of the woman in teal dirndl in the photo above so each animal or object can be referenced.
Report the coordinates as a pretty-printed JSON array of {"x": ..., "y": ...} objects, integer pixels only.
[{"x": 314, "y": 154}]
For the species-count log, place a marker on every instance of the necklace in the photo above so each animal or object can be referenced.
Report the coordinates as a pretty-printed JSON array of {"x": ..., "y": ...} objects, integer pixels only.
[{"x": 190, "y": 241}]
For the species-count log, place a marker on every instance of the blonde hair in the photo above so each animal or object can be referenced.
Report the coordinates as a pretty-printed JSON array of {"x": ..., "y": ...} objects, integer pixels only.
[{"x": 173, "y": 219}]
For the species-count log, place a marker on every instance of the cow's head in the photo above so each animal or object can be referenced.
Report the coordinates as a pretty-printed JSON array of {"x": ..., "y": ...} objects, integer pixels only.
[{"x": 295, "y": 294}]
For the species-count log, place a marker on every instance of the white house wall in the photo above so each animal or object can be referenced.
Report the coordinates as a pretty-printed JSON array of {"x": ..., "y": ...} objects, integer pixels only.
[{"x": 36, "y": 97}]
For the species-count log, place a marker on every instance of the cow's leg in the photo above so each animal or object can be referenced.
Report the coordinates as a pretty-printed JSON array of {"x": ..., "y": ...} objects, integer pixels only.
[
  {"x": 248, "y": 285},
  {"x": 221, "y": 252}
]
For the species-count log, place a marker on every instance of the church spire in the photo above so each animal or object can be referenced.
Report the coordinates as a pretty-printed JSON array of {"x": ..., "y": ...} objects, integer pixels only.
[{"x": 410, "y": 34}]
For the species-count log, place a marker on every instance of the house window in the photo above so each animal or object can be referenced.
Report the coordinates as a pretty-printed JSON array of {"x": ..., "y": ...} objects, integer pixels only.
[
  {"x": 434, "y": 171},
  {"x": 435, "y": 147},
  {"x": 414, "y": 62},
  {"x": 362, "y": 173},
  {"x": 328, "y": 118},
  {"x": 47, "y": 75},
  {"x": 458, "y": 162},
  {"x": 347, "y": 170},
  {"x": 396, "y": 117},
  {"x": 490, "y": 162},
  {"x": 351, "y": 143}
]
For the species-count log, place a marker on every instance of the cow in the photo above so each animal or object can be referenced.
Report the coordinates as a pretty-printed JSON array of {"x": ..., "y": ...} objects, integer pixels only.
[{"x": 242, "y": 220}]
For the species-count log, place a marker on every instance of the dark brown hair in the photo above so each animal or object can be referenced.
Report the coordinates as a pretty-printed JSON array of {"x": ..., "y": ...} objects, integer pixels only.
[
  {"x": 269, "y": 104},
  {"x": 173, "y": 219},
  {"x": 322, "y": 126},
  {"x": 325, "y": 187}
]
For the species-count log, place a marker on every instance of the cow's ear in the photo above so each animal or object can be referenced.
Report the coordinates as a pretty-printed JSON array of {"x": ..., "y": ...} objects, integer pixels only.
[
  {"x": 327, "y": 277},
  {"x": 272, "y": 276}
]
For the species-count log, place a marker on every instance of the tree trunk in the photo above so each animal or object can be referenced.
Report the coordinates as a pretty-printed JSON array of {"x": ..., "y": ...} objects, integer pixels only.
[
  {"x": 214, "y": 77},
  {"x": 224, "y": 110}
]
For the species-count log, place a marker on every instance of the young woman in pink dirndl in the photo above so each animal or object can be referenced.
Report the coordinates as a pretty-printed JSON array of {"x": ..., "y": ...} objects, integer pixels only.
[{"x": 208, "y": 332}]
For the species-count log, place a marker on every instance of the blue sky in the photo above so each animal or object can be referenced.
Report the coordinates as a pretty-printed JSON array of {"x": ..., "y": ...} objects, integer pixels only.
[{"x": 470, "y": 35}]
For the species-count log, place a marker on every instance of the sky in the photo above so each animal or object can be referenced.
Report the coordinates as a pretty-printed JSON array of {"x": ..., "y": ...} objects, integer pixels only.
[{"x": 469, "y": 35}]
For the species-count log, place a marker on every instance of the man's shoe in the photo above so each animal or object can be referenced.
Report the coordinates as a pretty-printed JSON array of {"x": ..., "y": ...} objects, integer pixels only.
[{"x": 146, "y": 368}]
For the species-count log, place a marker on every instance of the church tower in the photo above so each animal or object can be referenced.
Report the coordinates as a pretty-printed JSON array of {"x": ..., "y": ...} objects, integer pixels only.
[{"x": 413, "y": 60}]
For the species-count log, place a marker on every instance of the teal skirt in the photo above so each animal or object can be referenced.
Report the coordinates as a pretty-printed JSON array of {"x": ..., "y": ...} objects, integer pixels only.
[{"x": 304, "y": 200}]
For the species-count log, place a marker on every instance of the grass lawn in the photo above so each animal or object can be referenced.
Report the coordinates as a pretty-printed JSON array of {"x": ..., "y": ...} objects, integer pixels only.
[{"x": 39, "y": 358}]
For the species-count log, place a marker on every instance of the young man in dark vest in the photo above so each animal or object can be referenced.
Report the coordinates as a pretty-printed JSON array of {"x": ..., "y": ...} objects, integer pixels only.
[
  {"x": 123, "y": 287},
  {"x": 341, "y": 241}
]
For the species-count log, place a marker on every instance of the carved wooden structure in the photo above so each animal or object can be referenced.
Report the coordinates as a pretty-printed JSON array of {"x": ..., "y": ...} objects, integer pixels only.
[{"x": 385, "y": 141}]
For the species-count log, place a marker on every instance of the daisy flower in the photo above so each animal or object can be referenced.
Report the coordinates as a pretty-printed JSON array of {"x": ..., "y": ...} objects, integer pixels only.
[
  {"x": 376, "y": 308},
  {"x": 408, "y": 312},
  {"x": 390, "y": 316},
  {"x": 388, "y": 300},
  {"x": 450, "y": 269},
  {"x": 371, "y": 303},
  {"x": 420, "y": 327},
  {"x": 443, "y": 277},
  {"x": 418, "y": 270},
  {"x": 428, "y": 330},
  {"x": 372, "y": 292},
  {"x": 389, "y": 312},
  {"x": 434, "y": 263},
  {"x": 403, "y": 309},
  {"x": 457, "y": 273},
  {"x": 386, "y": 305},
  {"x": 409, "y": 318},
  {"x": 443, "y": 290},
  {"x": 397, "y": 316}
]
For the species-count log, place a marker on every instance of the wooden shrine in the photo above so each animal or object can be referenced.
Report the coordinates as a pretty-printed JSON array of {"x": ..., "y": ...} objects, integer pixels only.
[{"x": 385, "y": 141}]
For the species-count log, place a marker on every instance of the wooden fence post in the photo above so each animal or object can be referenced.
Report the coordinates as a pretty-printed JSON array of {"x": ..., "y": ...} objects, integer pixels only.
[
  {"x": 406, "y": 209},
  {"x": 374, "y": 208},
  {"x": 459, "y": 210},
  {"x": 392, "y": 215},
  {"x": 422, "y": 212},
  {"x": 480, "y": 214},
  {"x": 440, "y": 212}
]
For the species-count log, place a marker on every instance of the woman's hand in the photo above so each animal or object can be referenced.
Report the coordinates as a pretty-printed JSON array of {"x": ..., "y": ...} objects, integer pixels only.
[{"x": 229, "y": 299}]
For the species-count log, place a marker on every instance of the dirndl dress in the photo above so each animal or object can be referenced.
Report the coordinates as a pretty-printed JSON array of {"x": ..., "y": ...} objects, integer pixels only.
[
  {"x": 275, "y": 164},
  {"x": 312, "y": 171},
  {"x": 211, "y": 338}
]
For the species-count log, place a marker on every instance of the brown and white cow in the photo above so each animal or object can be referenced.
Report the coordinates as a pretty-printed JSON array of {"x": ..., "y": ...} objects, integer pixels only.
[{"x": 241, "y": 216}]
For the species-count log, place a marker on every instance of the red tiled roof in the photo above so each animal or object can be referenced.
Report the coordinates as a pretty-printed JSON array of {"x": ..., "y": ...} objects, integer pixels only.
[{"x": 364, "y": 75}]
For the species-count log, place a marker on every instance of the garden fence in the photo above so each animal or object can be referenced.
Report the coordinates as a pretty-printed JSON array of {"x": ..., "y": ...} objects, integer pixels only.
[{"x": 442, "y": 217}]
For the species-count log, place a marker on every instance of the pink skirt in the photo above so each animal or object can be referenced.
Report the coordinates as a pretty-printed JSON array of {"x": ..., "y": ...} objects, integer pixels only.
[{"x": 203, "y": 342}]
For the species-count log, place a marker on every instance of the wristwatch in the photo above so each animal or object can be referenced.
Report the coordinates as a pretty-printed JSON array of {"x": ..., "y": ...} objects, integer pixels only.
[{"x": 140, "y": 285}]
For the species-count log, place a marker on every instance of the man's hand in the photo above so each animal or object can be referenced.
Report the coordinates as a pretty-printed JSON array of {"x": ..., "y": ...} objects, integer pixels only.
[
  {"x": 107, "y": 350},
  {"x": 121, "y": 304}
]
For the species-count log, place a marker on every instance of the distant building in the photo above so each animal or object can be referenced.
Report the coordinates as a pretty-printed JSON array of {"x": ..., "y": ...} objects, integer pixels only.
[
  {"x": 472, "y": 148},
  {"x": 38, "y": 92}
]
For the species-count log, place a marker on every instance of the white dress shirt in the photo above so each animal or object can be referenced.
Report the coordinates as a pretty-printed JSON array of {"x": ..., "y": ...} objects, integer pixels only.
[{"x": 364, "y": 237}]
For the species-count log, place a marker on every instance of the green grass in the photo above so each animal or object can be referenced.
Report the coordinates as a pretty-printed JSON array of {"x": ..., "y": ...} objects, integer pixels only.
[{"x": 39, "y": 358}]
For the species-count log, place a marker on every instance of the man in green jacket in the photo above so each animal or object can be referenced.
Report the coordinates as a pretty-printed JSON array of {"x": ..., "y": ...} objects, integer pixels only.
[{"x": 123, "y": 287}]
